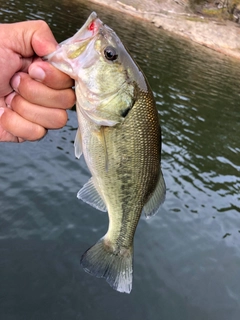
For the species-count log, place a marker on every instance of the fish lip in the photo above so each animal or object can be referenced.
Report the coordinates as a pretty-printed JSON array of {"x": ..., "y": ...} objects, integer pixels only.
[{"x": 91, "y": 27}]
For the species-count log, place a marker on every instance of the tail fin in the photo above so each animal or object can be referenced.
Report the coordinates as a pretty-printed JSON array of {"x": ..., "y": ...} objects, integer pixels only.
[{"x": 100, "y": 261}]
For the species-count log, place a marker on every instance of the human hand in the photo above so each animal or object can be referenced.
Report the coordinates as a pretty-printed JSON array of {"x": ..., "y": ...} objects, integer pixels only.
[{"x": 34, "y": 95}]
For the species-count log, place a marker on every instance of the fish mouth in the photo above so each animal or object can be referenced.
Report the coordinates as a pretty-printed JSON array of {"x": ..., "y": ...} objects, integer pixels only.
[
  {"x": 78, "y": 43},
  {"x": 73, "y": 47}
]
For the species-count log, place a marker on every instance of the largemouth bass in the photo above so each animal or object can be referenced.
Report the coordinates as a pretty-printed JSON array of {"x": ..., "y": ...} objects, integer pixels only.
[{"x": 120, "y": 137}]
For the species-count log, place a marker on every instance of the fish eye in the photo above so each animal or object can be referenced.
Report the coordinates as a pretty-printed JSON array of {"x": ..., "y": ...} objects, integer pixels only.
[{"x": 110, "y": 53}]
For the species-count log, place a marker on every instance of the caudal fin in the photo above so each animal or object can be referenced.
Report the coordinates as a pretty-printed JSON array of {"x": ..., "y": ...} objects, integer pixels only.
[{"x": 100, "y": 261}]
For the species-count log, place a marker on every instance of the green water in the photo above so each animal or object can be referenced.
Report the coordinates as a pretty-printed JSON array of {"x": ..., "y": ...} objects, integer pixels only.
[{"x": 187, "y": 257}]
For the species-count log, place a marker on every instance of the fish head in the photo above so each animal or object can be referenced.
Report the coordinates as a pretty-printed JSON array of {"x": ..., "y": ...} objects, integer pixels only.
[{"x": 107, "y": 79}]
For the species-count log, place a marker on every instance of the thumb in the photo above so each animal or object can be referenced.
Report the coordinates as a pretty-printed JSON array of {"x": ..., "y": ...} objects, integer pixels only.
[
  {"x": 43, "y": 41},
  {"x": 32, "y": 37}
]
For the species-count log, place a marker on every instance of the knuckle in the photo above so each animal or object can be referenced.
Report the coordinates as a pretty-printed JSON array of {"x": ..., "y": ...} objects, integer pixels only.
[
  {"x": 41, "y": 24},
  {"x": 16, "y": 103},
  {"x": 65, "y": 98},
  {"x": 61, "y": 119},
  {"x": 37, "y": 133},
  {"x": 24, "y": 85},
  {"x": 70, "y": 98}
]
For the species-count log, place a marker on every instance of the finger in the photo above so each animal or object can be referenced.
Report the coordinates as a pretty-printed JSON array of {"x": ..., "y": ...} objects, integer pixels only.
[
  {"x": 7, "y": 137},
  {"x": 4, "y": 135},
  {"x": 34, "y": 37},
  {"x": 18, "y": 127},
  {"x": 43, "y": 41},
  {"x": 49, "y": 75},
  {"x": 49, "y": 118},
  {"x": 38, "y": 93},
  {"x": 2, "y": 102}
]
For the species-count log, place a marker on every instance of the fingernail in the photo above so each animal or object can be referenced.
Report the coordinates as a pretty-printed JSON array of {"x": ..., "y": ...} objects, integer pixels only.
[
  {"x": 37, "y": 73},
  {"x": 8, "y": 99},
  {"x": 1, "y": 111},
  {"x": 15, "y": 82}
]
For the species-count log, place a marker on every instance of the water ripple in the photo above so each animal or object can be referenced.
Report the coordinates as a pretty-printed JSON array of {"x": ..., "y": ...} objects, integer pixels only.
[{"x": 187, "y": 257}]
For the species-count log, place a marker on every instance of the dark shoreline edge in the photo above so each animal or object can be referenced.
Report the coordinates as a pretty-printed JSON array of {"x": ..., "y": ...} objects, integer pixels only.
[{"x": 220, "y": 36}]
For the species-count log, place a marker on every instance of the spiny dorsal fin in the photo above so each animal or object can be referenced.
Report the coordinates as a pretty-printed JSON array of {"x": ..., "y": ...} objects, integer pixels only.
[
  {"x": 156, "y": 199},
  {"x": 90, "y": 195}
]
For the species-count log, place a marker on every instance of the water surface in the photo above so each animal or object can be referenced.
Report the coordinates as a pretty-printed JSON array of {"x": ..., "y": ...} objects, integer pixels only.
[{"x": 187, "y": 257}]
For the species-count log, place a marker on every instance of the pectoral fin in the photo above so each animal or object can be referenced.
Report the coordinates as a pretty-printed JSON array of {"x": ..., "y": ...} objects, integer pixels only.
[
  {"x": 78, "y": 144},
  {"x": 90, "y": 195},
  {"x": 157, "y": 198}
]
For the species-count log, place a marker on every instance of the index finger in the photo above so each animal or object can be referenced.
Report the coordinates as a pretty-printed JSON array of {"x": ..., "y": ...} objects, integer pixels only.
[{"x": 50, "y": 76}]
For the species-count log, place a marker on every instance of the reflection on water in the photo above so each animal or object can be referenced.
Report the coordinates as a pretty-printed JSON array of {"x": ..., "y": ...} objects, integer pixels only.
[{"x": 187, "y": 257}]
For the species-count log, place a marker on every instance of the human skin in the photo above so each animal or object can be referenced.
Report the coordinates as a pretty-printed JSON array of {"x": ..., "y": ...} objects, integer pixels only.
[{"x": 34, "y": 95}]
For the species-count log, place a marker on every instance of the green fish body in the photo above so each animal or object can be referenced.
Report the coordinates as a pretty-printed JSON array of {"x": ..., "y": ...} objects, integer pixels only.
[{"x": 120, "y": 137}]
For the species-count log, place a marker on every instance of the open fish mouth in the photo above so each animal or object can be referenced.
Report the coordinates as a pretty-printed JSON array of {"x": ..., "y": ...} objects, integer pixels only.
[
  {"x": 73, "y": 47},
  {"x": 78, "y": 43}
]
